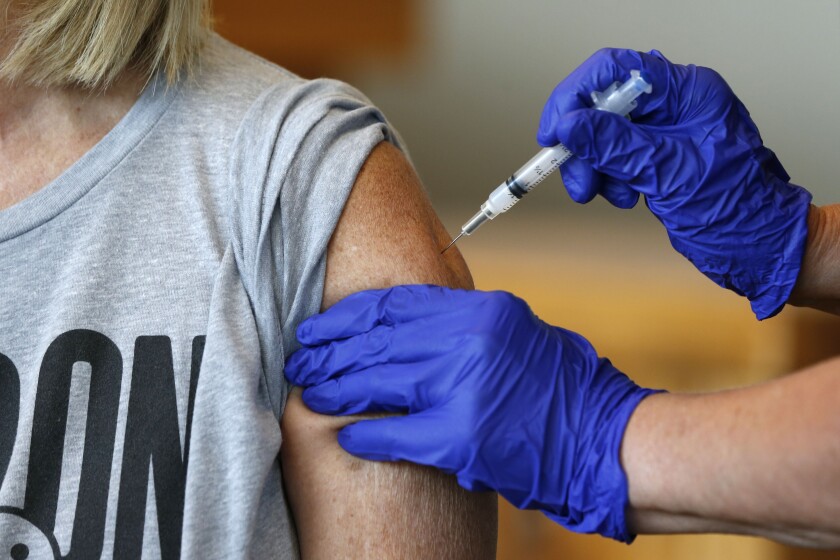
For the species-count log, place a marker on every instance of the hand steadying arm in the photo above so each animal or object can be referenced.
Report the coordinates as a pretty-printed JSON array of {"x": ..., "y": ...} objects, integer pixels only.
[{"x": 345, "y": 507}]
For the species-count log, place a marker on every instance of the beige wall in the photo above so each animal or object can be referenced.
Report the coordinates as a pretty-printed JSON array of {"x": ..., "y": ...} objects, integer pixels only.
[{"x": 469, "y": 103}]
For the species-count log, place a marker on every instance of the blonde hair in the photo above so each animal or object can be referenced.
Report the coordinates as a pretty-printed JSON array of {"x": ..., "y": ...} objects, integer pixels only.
[{"x": 90, "y": 42}]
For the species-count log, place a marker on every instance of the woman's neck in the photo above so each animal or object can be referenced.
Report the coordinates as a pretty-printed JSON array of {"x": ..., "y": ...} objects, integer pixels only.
[{"x": 43, "y": 131}]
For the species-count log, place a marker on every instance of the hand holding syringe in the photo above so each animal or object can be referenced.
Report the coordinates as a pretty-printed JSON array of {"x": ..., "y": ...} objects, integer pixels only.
[{"x": 618, "y": 98}]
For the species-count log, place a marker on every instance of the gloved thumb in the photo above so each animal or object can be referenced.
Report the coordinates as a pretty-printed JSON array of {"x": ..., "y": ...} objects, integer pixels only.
[
  {"x": 583, "y": 183},
  {"x": 611, "y": 144},
  {"x": 420, "y": 438}
]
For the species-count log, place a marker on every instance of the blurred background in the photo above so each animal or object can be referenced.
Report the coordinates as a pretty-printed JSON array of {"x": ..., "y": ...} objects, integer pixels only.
[{"x": 464, "y": 82}]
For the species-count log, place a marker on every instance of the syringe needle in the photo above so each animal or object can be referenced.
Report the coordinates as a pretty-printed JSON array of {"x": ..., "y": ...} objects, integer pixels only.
[{"x": 453, "y": 242}]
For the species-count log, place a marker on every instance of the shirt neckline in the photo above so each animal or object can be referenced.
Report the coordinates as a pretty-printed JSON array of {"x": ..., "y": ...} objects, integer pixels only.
[{"x": 77, "y": 180}]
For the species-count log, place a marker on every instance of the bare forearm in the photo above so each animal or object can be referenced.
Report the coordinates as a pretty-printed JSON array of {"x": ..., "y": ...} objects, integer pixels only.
[
  {"x": 345, "y": 507},
  {"x": 818, "y": 285},
  {"x": 761, "y": 461}
]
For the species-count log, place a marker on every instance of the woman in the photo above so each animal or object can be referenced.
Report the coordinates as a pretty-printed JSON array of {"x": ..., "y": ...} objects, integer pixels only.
[{"x": 172, "y": 208}]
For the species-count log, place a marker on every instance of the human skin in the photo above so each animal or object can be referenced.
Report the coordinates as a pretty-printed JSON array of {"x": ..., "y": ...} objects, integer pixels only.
[
  {"x": 44, "y": 131},
  {"x": 760, "y": 460},
  {"x": 818, "y": 285},
  {"x": 388, "y": 234}
]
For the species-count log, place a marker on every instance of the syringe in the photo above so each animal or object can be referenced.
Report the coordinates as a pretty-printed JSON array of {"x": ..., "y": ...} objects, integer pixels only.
[{"x": 618, "y": 98}]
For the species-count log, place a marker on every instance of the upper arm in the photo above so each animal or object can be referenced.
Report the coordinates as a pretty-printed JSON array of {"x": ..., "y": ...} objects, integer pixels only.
[
  {"x": 344, "y": 507},
  {"x": 389, "y": 234}
]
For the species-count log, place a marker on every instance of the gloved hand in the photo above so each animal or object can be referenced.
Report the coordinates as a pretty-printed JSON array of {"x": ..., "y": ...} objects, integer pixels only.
[
  {"x": 493, "y": 395},
  {"x": 698, "y": 158}
]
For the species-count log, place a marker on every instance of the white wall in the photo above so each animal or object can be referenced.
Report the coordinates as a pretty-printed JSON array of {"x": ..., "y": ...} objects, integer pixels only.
[{"x": 469, "y": 107}]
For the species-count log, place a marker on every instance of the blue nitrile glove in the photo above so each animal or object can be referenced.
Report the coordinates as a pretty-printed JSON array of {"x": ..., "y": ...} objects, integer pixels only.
[
  {"x": 494, "y": 395},
  {"x": 698, "y": 158}
]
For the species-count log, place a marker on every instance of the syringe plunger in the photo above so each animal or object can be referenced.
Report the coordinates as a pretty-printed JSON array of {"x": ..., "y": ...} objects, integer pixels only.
[{"x": 621, "y": 98}]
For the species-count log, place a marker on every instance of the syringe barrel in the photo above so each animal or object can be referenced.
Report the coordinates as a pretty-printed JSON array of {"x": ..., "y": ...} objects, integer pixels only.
[
  {"x": 618, "y": 98},
  {"x": 546, "y": 162},
  {"x": 477, "y": 221}
]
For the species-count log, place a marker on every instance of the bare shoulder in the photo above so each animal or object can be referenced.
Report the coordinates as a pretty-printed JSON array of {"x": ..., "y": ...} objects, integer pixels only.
[
  {"x": 389, "y": 234},
  {"x": 344, "y": 507}
]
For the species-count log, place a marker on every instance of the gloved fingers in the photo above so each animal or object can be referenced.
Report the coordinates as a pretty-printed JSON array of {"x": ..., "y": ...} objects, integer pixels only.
[
  {"x": 316, "y": 364},
  {"x": 581, "y": 181},
  {"x": 619, "y": 194},
  {"x": 596, "y": 74},
  {"x": 352, "y": 315},
  {"x": 423, "y": 438},
  {"x": 424, "y": 339},
  {"x": 385, "y": 388},
  {"x": 350, "y": 395},
  {"x": 610, "y": 144},
  {"x": 363, "y": 311}
]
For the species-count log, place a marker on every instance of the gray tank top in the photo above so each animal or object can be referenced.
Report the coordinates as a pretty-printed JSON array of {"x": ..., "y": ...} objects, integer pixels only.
[{"x": 148, "y": 297}]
